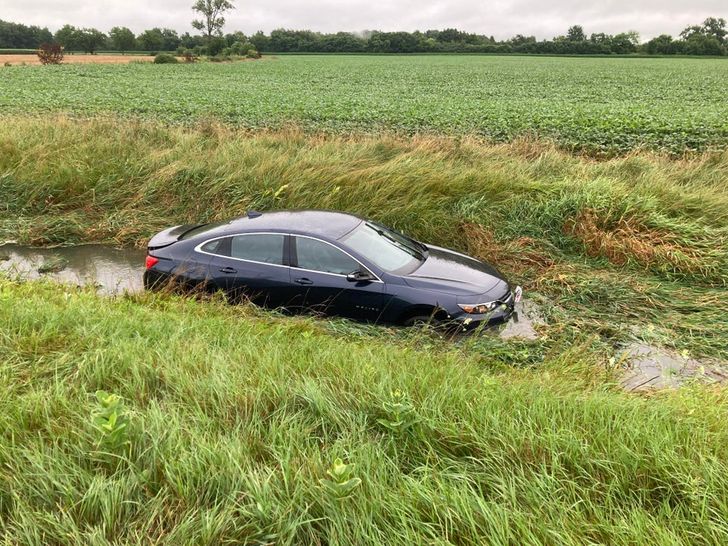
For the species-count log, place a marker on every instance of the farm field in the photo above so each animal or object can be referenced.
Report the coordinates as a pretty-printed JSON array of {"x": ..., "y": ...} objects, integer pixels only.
[{"x": 598, "y": 105}]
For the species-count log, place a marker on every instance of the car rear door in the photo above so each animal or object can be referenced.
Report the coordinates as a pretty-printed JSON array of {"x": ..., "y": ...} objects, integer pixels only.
[
  {"x": 319, "y": 281},
  {"x": 254, "y": 265}
]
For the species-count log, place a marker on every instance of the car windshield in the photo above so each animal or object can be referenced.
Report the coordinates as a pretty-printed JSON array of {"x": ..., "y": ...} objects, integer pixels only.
[{"x": 385, "y": 248}]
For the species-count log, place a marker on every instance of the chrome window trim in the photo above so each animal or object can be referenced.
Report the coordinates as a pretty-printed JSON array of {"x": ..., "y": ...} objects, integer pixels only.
[{"x": 198, "y": 248}]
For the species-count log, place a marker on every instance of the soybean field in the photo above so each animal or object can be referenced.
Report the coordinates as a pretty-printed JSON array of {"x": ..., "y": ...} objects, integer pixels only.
[{"x": 602, "y": 106}]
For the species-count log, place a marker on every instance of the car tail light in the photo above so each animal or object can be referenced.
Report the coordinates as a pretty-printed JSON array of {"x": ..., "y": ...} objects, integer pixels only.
[{"x": 151, "y": 262}]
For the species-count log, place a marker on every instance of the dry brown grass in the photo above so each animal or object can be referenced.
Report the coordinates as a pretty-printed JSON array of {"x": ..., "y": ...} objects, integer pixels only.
[
  {"x": 524, "y": 257},
  {"x": 16, "y": 60},
  {"x": 630, "y": 240}
]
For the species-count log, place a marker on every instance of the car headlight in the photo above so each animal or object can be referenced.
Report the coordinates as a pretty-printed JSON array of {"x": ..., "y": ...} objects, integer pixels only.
[{"x": 478, "y": 308}]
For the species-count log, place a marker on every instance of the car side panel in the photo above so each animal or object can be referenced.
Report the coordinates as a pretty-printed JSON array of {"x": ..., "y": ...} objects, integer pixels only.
[
  {"x": 264, "y": 284},
  {"x": 180, "y": 265},
  {"x": 332, "y": 294},
  {"x": 400, "y": 299}
]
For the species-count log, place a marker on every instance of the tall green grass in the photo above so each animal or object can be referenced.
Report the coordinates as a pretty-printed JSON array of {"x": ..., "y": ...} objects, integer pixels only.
[
  {"x": 635, "y": 246},
  {"x": 234, "y": 417}
]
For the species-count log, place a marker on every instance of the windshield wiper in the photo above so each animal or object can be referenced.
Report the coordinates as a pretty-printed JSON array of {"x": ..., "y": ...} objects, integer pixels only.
[{"x": 416, "y": 253}]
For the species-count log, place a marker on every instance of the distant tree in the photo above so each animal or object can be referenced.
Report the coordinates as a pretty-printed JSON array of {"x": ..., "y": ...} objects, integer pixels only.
[
  {"x": 633, "y": 36},
  {"x": 241, "y": 48},
  {"x": 520, "y": 39},
  {"x": 451, "y": 35},
  {"x": 690, "y": 31},
  {"x": 170, "y": 39},
  {"x": 576, "y": 34},
  {"x": 624, "y": 42},
  {"x": 215, "y": 45},
  {"x": 260, "y": 41},
  {"x": 600, "y": 38},
  {"x": 343, "y": 42},
  {"x": 715, "y": 27},
  {"x": 708, "y": 38},
  {"x": 212, "y": 12},
  {"x": 236, "y": 36},
  {"x": 18, "y": 36},
  {"x": 662, "y": 45},
  {"x": 702, "y": 44},
  {"x": 151, "y": 40},
  {"x": 122, "y": 39},
  {"x": 393, "y": 42},
  {"x": 705, "y": 39},
  {"x": 90, "y": 40},
  {"x": 188, "y": 41},
  {"x": 68, "y": 36},
  {"x": 378, "y": 42}
]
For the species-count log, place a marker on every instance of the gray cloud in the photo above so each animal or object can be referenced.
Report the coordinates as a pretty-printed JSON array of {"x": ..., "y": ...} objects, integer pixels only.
[{"x": 499, "y": 18}]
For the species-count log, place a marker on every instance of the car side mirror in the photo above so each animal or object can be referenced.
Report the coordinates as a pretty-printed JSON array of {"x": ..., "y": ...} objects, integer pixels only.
[{"x": 359, "y": 276}]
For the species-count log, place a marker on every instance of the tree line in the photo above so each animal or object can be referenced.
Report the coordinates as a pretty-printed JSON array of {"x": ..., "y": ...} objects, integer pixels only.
[{"x": 707, "y": 38}]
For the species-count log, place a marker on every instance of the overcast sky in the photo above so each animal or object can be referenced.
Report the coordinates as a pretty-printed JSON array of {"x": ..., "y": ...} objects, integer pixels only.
[{"x": 500, "y": 18}]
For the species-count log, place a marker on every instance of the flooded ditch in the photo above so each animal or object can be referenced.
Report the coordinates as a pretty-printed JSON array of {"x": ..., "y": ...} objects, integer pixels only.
[
  {"x": 115, "y": 271},
  {"x": 111, "y": 270},
  {"x": 647, "y": 367}
]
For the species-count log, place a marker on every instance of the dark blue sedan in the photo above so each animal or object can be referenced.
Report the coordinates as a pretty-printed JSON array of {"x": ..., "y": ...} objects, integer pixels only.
[{"x": 334, "y": 263}]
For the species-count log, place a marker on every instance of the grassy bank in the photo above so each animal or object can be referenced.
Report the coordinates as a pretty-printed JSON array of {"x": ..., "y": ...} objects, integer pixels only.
[
  {"x": 602, "y": 106},
  {"x": 625, "y": 248},
  {"x": 233, "y": 419}
]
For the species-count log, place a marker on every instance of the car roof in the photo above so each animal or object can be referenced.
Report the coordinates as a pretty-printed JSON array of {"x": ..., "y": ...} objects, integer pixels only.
[{"x": 324, "y": 223}]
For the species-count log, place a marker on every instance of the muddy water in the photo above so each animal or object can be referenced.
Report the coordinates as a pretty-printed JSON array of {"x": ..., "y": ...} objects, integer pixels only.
[
  {"x": 647, "y": 368},
  {"x": 111, "y": 269},
  {"x": 524, "y": 322}
]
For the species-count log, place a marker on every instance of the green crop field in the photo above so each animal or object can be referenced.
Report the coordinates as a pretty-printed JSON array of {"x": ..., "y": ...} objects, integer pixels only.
[{"x": 599, "y": 105}]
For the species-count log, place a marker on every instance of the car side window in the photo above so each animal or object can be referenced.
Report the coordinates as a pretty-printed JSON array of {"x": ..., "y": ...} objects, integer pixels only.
[
  {"x": 213, "y": 247},
  {"x": 319, "y": 256},
  {"x": 258, "y": 247}
]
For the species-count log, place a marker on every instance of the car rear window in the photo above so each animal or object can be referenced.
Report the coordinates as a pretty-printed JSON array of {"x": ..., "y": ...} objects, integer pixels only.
[{"x": 213, "y": 247}]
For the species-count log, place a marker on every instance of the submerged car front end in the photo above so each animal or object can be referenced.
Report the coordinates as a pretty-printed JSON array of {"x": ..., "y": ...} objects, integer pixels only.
[
  {"x": 477, "y": 311},
  {"x": 471, "y": 293}
]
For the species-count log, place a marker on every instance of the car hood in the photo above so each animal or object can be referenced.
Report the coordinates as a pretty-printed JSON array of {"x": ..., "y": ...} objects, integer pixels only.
[{"x": 455, "y": 273}]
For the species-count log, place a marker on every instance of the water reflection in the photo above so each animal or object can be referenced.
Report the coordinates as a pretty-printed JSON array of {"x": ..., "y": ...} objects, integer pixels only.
[{"x": 111, "y": 269}]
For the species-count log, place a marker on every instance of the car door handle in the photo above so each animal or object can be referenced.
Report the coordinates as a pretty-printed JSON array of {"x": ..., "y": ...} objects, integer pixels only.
[
  {"x": 303, "y": 280},
  {"x": 228, "y": 270}
]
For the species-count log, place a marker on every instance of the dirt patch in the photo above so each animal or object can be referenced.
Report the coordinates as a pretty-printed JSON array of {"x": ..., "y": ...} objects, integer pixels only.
[
  {"x": 628, "y": 239},
  {"x": 651, "y": 368},
  {"x": 18, "y": 60}
]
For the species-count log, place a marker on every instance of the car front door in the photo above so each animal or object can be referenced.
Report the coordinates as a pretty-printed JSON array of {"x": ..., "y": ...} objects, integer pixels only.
[
  {"x": 252, "y": 265},
  {"x": 319, "y": 278}
]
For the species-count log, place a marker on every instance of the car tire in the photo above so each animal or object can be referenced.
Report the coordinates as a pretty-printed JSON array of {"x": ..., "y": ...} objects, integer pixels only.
[{"x": 422, "y": 320}]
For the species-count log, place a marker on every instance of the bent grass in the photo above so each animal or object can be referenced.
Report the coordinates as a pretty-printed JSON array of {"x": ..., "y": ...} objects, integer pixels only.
[{"x": 608, "y": 247}]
